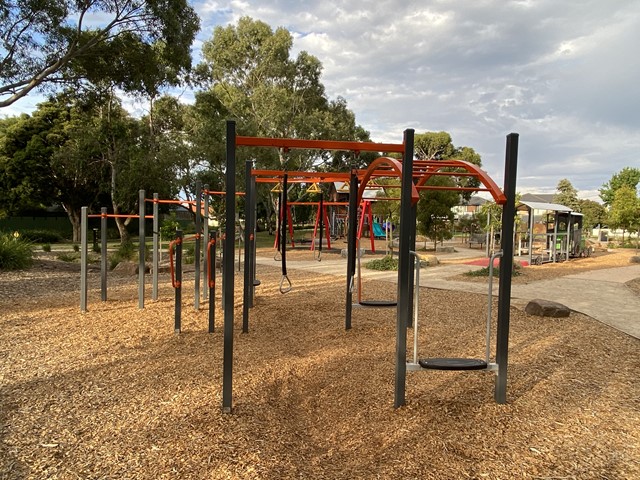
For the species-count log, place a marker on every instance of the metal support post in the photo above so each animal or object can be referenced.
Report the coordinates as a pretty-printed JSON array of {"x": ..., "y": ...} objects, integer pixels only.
[
  {"x": 211, "y": 279},
  {"x": 351, "y": 246},
  {"x": 178, "y": 284},
  {"x": 103, "y": 254},
  {"x": 228, "y": 273},
  {"x": 404, "y": 270},
  {"x": 156, "y": 247},
  {"x": 205, "y": 235},
  {"x": 506, "y": 266},
  {"x": 197, "y": 253},
  {"x": 249, "y": 215},
  {"x": 141, "y": 248},
  {"x": 83, "y": 258}
]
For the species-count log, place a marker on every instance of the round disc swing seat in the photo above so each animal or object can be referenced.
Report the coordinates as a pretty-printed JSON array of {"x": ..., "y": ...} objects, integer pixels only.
[
  {"x": 452, "y": 363},
  {"x": 370, "y": 303}
]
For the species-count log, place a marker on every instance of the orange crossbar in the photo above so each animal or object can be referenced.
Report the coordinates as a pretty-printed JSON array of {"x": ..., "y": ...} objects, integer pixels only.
[
  {"x": 211, "y": 192},
  {"x": 289, "y": 143}
]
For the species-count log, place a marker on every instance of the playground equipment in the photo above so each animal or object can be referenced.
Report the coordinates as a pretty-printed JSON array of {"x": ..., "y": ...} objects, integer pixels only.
[
  {"x": 449, "y": 363},
  {"x": 368, "y": 302},
  {"x": 414, "y": 175},
  {"x": 553, "y": 234}
]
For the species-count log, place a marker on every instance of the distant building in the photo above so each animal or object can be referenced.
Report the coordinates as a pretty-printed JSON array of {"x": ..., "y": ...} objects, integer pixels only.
[
  {"x": 538, "y": 197},
  {"x": 468, "y": 207}
]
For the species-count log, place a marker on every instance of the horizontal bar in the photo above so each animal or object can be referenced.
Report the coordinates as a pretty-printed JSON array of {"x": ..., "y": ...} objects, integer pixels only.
[
  {"x": 319, "y": 144},
  {"x": 114, "y": 215}
]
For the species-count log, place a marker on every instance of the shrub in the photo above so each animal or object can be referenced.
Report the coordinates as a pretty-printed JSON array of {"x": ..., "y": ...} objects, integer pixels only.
[
  {"x": 15, "y": 253},
  {"x": 484, "y": 272},
  {"x": 68, "y": 257},
  {"x": 46, "y": 247},
  {"x": 41, "y": 236},
  {"x": 385, "y": 263},
  {"x": 76, "y": 247}
]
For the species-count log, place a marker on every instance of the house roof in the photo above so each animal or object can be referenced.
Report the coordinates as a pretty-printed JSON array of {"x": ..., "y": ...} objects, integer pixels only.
[
  {"x": 554, "y": 207},
  {"x": 537, "y": 197}
]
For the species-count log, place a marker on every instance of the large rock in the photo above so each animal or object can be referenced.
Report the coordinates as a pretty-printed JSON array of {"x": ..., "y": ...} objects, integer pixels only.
[
  {"x": 445, "y": 249},
  {"x": 635, "y": 259},
  {"x": 430, "y": 260},
  {"x": 360, "y": 252},
  {"x": 128, "y": 268},
  {"x": 547, "y": 308}
]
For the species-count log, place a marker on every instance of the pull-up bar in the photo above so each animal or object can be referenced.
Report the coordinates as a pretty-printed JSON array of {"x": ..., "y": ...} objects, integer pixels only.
[{"x": 288, "y": 143}]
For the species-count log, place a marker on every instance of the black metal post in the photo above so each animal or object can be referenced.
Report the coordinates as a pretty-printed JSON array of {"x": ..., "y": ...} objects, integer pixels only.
[
  {"x": 351, "y": 246},
  {"x": 506, "y": 266},
  {"x": 141, "y": 249},
  {"x": 249, "y": 215},
  {"x": 197, "y": 252},
  {"x": 211, "y": 279},
  {"x": 178, "y": 283},
  {"x": 227, "y": 265},
  {"x": 404, "y": 270},
  {"x": 103, "y": 254}
]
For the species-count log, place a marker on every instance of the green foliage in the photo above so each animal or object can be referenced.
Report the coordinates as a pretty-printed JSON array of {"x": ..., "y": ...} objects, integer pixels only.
[
  {"x": 68, "y": 257},
  {"x": 76, "y": 247},
  {"x": 625, "y": 209},
  {"x": 169, "y": 226},
  {"x": 435, "y": 217},
  {"x": 41, "y": 236},
  {"x": 46, "y": 247},
  {"x": 567, "y": 195},
  {"x": 188, "y": 253},
  {"x": 484, "y": 272},
  {"x": 15, "y": 252},
  {"x": 594, "y": 214},
  {"x": 386, "y": 263},
  {"x": 135, "y": 45},
  {"x": 629, "y": 176}
]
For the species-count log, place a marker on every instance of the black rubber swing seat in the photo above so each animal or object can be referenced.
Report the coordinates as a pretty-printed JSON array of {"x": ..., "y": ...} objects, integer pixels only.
[
  {"x": 379, "y": 303},
  {"x": 257, "y": 283},
  {"x": 453, "y": 364}
]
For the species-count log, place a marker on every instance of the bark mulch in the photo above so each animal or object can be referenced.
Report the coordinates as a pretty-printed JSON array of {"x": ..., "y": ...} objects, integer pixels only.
[{"x": 114, "y": 393}]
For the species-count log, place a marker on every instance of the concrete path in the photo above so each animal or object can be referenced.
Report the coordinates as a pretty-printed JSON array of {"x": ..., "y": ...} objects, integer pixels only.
[{"x": 600, "y": 294}]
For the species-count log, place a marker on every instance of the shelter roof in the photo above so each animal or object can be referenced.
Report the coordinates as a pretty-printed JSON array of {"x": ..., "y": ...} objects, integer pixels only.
[{"x": 554, "y": 207}]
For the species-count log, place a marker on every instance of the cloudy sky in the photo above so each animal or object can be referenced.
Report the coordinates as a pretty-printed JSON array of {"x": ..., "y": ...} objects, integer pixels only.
[{"x": 564, "y": 74}]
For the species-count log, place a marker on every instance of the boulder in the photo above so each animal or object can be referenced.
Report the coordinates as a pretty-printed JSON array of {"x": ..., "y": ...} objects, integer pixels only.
[
  {"x": 128, "y": 268},
  {"x": 635, "y": 259},
  {"x": 445, "y": 249},
  {"x": 430, "y": 260},
  {"x": 547, "y": 308}
]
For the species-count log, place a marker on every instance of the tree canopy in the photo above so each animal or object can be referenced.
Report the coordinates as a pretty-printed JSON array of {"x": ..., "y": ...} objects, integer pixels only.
[
  {"x": 135, "y": 45},
  {"x": 567, "y": 195},
  {"x": 629, "y": 176}
]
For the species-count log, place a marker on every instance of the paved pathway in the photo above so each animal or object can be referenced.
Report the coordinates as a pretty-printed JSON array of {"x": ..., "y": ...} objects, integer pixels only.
[{"x": 600, "y": 294}]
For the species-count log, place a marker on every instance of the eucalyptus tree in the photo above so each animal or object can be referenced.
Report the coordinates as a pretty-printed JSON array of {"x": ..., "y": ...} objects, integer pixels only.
[{"x": 135, "y": 45}]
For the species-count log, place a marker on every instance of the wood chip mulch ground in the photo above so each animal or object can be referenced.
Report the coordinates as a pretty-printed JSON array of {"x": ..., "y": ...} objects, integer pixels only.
[{"x": 114, "y": 393}]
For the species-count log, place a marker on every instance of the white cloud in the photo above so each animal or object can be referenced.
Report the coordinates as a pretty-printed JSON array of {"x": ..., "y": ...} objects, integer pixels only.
[{"x": 562, "y": 74}]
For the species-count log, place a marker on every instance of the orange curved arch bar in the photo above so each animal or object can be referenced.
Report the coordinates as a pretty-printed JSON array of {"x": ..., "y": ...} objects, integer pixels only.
[
  {"x": 392, "y": 167},
  {"x": 475, "y": 170}
]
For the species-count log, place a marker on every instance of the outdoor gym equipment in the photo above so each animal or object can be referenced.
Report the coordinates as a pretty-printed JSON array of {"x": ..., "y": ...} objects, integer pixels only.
[{"x": 414, "y": 175}]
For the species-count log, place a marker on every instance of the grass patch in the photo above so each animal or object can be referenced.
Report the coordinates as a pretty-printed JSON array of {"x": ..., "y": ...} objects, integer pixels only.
[{"x": 484, "y": 272}]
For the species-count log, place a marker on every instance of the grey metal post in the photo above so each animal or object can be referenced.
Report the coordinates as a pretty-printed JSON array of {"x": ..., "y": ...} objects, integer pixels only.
[
  {"x": 506, "y": 266},
  {"x": 531, "y": 214},
  {"x": 141, "y": 248},
  {"x": 197, "y": 253},
  {"x": 103, "y": 254},
  {"x": 412, "y": 248},
  {"x": 249, "y": 215},
  {"x": 156, "y": 247},
  {"x": 228, "y": 272},
  {"x": 178, "y": 284},
  {"x": 211, "y": 279},
  {"x": 351, "y": 246},
  {"x": 205, "y": 236},
  {"x": 83, "y": 258},
  {"x": 252, "y": 187},
  {"x": 404, "y": 270}
]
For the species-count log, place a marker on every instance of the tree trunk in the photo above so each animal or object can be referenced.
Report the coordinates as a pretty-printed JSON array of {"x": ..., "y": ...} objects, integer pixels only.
[{"x": 75, "y": 219}]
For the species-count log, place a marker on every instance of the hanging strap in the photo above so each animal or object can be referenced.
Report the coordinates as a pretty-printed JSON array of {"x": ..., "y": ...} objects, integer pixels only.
[{"x": 284, "y": 288}]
